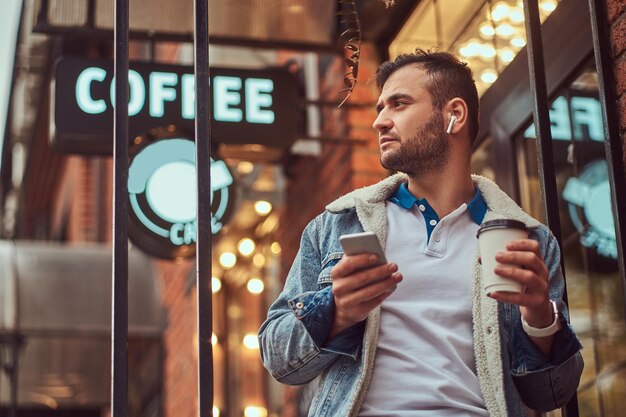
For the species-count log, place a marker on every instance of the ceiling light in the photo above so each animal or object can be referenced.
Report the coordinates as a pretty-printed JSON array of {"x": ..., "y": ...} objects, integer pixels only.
[
  {"x": 547, "y": 6},
  {"x": 228, "y": 260},
  {"x": 213, "y": 339},
  {"x": 505, "y": 30},
  {"x": 251, "y": 341},
  {"x": 487, "y": 51},
  {"x": 486, "y": 29},
  {"x": 518, "y": 42},
  {"x": 216, "y": 285},
  {"x": 506, "y": 55},
  {"x": 255, "y": 286},
  {"x": 500, "y": 11},
  {"x": 246, "y": 246},
  {"x": 488, "y": 76},
  {"x": 516, "y": 15},
  {"x": 263, "y": 207},
  {"x": 472, "y": 48}
]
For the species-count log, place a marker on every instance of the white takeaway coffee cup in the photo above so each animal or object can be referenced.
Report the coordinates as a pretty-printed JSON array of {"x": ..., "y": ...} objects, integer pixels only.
[{"x": 493, "y": 237}]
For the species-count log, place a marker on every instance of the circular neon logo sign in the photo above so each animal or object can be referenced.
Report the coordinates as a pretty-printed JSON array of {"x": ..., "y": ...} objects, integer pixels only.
[
  {"x": 162, "y": 195},
  {"x": 591, "y": 192}
]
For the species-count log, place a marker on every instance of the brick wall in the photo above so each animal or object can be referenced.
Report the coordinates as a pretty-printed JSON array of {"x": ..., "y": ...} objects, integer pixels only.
[
  {"x": 313, "y": 182},
  {"x": 180, "y": 387},
  {"x": 616, "y": 10}
]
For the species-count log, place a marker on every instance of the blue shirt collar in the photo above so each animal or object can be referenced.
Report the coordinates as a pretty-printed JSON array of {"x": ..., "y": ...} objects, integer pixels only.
[{"x": 476, "y": 207}]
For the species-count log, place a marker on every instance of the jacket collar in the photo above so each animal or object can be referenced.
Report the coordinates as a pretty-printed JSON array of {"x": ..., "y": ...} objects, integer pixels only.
[{"x": 499, "y": 204}]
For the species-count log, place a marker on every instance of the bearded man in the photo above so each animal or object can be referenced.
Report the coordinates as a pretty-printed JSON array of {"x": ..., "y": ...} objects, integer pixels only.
[{"x": 418, "y": 336}]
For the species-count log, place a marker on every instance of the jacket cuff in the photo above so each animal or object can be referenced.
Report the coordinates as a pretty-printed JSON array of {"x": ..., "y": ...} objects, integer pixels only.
[
  {"x": 316, "y": 311},
  {"x": 564, "y": 346},
  {"x": 550, "y": 388}
]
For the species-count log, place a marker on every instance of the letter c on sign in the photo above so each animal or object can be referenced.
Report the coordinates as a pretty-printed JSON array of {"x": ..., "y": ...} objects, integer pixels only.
[{"x": 83, "y": 90}]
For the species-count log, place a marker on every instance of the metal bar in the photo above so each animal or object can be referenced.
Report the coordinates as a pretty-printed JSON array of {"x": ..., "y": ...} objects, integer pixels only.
[
  {"x": 119, "y": 325},
  {"x": 610, "y": 121},
  {"x": 545, "y": 159},
  {"x": 42, "y": 15},
  {"x": 541, "y": 115},
  {"x": 91, "y": 14},
  {"x": 203, "y": 210},
  {"x": 14, "y": 337}
]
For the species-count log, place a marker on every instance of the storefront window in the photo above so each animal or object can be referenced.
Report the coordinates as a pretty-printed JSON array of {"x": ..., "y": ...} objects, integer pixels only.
[{"x": 589, "y": 248}]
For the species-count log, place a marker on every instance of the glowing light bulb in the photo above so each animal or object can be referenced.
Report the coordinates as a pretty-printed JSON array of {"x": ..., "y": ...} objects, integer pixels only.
[
  {"x": 488, "y": 76},
  {"x": 487, "y": 30},
  {"x": 487, "y": 51},
  {"x": 506, "y": 55},
  {"x": 246, "y": 246},
  {"x": 251, "y": 341},
  {"x": 258, "y": 260},
  {"x": 216, "y": 285},
  {"x": 472, "y": 48},
  {"x": 216, "y": 412},
  {"x": 517, "y": 15},
  {"x": 255, "y": 286},
  {"x": 505, "y": 30},
  {"x": 276, "y": 248},
  {"x": 228, "y": 260},
  {"x": 263, "y": 207},
  {"x": 254, "y": 411},
  {"x": 547, "y": 6},
  {"x": 500, "y": 11},
  {"x": 518, "y": 42},
  {"x": 213, "y": 339},
  {"x": 245, "y": 167}
]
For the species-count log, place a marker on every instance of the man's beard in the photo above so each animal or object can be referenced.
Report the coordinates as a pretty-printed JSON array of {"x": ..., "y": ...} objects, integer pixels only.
[{"x": 424, "y": 152}]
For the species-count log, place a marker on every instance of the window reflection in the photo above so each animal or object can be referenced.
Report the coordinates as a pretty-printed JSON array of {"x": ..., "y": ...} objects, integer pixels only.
[{"x": 593, "y": 283}]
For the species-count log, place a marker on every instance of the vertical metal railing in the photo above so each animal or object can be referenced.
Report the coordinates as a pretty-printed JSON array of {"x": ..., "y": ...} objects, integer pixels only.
[
  {"x": 610, "y": 122},
  {"x": 119, "y": 320},
  {"x": 541, "y": 116},
  {"x": 203, "y": 210},
  {"x": 119, "y": 331}
]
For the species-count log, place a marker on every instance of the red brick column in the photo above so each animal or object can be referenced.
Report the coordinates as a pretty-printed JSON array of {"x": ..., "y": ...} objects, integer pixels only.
[
  {"x": 180, "y": 387},
  {"x": 341, "y": 167},
  {"x": 617, "y": 20}
]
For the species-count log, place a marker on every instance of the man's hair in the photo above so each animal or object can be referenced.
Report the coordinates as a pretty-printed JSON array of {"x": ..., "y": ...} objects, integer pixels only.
[{"x": 448, "y": 78}]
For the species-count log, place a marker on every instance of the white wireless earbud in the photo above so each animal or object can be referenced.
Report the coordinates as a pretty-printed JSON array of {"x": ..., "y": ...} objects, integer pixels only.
[{"x": 452, "y": 121}]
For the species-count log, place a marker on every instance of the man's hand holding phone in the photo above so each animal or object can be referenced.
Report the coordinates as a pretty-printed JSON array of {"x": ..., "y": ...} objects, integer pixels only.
[{"x": 361, "y": 280}]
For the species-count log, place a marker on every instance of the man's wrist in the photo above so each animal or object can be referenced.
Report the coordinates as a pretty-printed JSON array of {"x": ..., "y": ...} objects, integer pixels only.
[
  {"x": 543, "y": 318},
  {"x": 339, "y": 326},
  {"x": 544, "y": 330}
]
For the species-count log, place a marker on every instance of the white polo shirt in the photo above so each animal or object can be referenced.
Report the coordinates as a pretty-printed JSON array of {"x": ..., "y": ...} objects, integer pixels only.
[{"x": 425, "y": 364}]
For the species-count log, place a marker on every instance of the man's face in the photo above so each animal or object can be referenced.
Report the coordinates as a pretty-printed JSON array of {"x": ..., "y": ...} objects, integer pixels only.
[{"x": 411, "y": 131}]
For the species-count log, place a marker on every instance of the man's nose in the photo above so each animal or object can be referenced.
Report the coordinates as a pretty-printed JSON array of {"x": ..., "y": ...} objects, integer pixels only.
[{"x": 382, "y": 122}]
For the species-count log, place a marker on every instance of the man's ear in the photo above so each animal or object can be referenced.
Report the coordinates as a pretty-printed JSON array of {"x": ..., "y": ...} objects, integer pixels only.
[{"x": 456, "y": 111}]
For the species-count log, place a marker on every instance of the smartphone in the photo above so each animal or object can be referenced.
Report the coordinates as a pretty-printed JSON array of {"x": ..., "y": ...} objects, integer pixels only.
[{"x": 365, "y": 242}]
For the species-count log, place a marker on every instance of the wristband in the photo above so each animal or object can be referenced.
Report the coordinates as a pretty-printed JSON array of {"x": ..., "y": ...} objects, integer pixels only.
[{"x": 546, "y": 331}]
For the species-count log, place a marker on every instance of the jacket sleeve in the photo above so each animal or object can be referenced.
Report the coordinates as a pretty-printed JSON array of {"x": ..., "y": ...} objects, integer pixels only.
[
  {"x": 292, "y": 339},
  {"x": 546, "y": 383}
]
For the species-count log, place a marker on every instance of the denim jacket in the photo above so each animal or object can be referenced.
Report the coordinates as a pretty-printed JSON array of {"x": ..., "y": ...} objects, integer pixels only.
[{"x": 511, "y": 370}]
